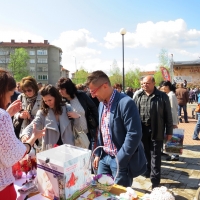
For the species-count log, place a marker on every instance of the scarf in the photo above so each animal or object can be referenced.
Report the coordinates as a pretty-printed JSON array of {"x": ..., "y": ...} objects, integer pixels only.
[{"x": 30, "y": 103}]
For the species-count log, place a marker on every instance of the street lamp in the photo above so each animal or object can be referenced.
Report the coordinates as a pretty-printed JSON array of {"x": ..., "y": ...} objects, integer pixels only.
[{"x": 123, "y": 32}]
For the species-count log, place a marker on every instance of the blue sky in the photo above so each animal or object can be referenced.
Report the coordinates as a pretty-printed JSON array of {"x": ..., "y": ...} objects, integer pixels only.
[{"x": 88, "y": 30}]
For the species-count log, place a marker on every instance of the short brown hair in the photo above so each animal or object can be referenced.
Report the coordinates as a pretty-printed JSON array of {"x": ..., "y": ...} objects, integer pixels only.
[
  {"x": 7, "y": 83},
  {"x": 117, "y": 85},
  {"x": 97, "y": 76},
  {"x": 29, "y": 82}
]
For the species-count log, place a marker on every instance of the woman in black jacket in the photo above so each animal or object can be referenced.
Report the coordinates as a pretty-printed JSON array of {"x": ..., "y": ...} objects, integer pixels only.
[{"x": 81, "y": 104}]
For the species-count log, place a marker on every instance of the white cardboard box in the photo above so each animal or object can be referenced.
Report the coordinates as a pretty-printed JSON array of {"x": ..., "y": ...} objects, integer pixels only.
[{"x": 63, "y": 172}]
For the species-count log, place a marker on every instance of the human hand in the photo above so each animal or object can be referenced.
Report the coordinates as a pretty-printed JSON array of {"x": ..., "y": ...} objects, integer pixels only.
[
  {"x": 38, "y": 133},
  {"x": 14, "y": 107},
  {"x": 72, "y": 114},
  {"x": 168, "y": 137},
  {"x": 175, "y": 126},
  {"x": 96, "y": 162},
  {"x": 24, "y": 114},
  {"x": 24, "y": 138}
]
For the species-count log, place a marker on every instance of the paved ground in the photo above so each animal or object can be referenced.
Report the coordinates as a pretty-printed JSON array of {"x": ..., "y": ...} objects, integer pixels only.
[{"x": 181, "y": 177}]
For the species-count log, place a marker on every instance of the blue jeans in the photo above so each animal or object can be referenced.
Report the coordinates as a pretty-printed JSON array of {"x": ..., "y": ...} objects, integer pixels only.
[
  {"x": 108, "y": 165},
  {"x": 197, "y": 127},
  {"x": 184, "y": 111}
]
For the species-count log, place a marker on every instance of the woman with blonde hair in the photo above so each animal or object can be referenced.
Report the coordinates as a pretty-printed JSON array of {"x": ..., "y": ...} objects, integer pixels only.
[{"x": 31, "y": 101}]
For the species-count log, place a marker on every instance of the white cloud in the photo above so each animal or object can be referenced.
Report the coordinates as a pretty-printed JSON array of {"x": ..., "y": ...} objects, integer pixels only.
[
  {"x": 18, "y": 35},
  {"x": 114, "y": 40},
  {"x": 70, "y": 40},
  {"x": 75, "y": 47},
  {"x": 148, "y": 67},
  {"x": 171, "y": 34},
  {"x": 182, "y": 54}
]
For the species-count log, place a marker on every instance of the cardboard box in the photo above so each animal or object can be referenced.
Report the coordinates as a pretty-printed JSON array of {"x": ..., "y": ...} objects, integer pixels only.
[{"x": 63, "y": 172}]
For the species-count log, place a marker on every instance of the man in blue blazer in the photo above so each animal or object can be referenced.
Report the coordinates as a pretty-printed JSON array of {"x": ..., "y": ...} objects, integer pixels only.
[{"x": 120, "y": 132}]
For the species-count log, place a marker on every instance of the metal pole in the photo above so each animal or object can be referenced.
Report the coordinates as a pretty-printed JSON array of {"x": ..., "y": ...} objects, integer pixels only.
[{"x": 123, "y": 63}]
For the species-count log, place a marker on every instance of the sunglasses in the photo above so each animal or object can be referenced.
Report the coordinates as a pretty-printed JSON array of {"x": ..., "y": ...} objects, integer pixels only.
[{"x": 29, "y": 90}]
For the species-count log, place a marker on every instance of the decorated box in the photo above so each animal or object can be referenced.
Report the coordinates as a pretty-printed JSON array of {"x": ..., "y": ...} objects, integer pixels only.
[
  {"x": 175, "y": 145},
  {"x": 63, "y": 172}
]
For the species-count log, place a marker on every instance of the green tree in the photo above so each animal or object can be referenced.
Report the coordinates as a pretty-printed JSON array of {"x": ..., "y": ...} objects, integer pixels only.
[
  {"x": 158, "y": 77},
  {"x": 163, "y": 58},
  {"x": 18, "y": 63},
  {"x": 132, "y": 78},
  {"x": 163, "y": 62},
  {"x": 80, "y": 76},
  {"x": 115, "y": 73}
]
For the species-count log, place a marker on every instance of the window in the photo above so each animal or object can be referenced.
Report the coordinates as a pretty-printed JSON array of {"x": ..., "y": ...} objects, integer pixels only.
[
  {"x": 42, "y": 69},
  {"x": 32, "y": 60},
  {"x": 41, "y": 52},
  {"x": 4, "y": 60},
  {"x": 32, "y": 53},
  {"x": 32, "y": 69},
  {"x": 42, "y": 77},
  {"x": 4, "y": 52},
  {"x": 42, "y": 60}
]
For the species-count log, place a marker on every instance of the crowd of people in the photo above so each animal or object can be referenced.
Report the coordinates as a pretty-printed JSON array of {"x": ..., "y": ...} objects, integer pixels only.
[{"x": 131, "y": 125}]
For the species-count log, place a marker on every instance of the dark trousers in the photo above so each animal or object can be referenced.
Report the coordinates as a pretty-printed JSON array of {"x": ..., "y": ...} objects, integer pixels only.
[{"x": 152, "y": 150}]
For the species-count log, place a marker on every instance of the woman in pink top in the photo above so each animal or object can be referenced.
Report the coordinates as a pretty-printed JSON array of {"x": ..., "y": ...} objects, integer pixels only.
[{"x": 12, "y": 150}]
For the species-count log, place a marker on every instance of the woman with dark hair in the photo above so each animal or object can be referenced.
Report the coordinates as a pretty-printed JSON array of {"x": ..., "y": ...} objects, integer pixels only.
[
  {"x": 170, "y": 90},
  {"x": 118, "y": 87},
  {"x": 12, "y": 150},
  {"x": 81, "y": 105},
  {"x": 31, "y": 100},
  {"x": 52, "y": 115}
]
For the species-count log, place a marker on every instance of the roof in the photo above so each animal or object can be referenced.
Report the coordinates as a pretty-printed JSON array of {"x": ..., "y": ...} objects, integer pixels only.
[
  {"x": 28, "y": 44},
  {"x": 186, "y": 63}
]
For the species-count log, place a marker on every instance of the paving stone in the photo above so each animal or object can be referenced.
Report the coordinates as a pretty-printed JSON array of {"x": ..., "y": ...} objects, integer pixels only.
[
  {"x": 196, "y": 167},
  {"x": 181, "y": 177}
]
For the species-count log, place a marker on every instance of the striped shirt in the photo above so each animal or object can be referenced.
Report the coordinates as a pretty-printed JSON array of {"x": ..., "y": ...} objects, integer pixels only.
[{"x": 109, "y": 146}]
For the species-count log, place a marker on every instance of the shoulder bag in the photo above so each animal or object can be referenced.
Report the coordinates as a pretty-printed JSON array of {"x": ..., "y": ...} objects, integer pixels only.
[{"x": 80, "y": 138}]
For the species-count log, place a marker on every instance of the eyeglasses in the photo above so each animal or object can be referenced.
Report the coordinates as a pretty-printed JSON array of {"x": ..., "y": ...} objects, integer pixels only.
[
  {"x": 94, "y": 91},
  {"x": 29, "y": 90}
]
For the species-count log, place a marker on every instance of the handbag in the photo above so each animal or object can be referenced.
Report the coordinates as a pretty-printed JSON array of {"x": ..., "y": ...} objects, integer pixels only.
[
  {"x": 197, "y": 109},
  {"x": 80, "y": 138},
  {"x": 17, "y": 123}
]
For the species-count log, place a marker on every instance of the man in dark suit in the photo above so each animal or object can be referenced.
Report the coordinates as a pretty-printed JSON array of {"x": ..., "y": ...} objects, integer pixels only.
[
  {"x": 156, "y": 118},
  {"x": 119, "y": 132}
]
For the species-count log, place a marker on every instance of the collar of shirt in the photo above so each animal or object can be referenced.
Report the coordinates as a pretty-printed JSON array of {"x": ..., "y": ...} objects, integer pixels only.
[{"x": 108, "y": 104}]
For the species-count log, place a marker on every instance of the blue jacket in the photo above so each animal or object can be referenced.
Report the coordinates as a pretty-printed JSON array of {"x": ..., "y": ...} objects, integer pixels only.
[{"x": 126, "y": 134}]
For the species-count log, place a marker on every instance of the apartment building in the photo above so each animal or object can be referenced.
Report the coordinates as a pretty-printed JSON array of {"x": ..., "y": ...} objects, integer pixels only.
[{"x": 44, "y": 63}]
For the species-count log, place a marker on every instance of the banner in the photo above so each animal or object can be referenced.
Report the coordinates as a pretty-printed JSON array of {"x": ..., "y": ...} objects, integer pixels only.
[{"x": 165, "y": 74}]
